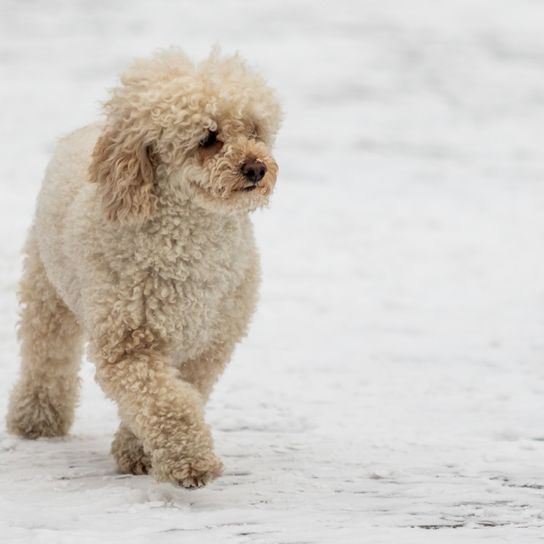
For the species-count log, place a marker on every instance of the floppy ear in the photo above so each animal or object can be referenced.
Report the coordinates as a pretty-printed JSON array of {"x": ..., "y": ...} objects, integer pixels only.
[{"x": 123, "y": 166}]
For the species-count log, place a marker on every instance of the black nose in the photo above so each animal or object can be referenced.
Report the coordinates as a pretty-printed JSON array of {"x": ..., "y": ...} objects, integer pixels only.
[{"x": 254, "y": 170}]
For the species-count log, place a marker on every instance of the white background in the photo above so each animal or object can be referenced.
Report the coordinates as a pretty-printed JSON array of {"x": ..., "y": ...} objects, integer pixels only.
[{"x": 392, "y": 387}]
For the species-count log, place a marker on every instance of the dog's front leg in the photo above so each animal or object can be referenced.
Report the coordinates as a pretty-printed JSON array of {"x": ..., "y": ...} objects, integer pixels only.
[{"x": 165, "y": 412}]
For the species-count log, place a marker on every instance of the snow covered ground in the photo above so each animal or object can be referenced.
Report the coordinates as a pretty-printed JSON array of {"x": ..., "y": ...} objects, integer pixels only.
[{"x": 392, "y": 387}]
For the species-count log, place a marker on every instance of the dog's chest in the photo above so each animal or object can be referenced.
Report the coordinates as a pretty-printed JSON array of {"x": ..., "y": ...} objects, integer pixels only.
[{"x": 192, "y": 275}]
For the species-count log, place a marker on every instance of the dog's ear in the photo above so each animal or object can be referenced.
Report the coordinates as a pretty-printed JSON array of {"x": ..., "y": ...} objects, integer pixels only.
[{"x": 123, "y": 166}]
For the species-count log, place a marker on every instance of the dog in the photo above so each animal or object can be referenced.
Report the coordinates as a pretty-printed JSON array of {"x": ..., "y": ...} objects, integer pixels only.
[{"x": 142, "y": 246}]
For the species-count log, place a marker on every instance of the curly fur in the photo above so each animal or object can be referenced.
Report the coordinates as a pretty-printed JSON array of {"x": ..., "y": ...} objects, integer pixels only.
[{"x": 142, "y": 245}]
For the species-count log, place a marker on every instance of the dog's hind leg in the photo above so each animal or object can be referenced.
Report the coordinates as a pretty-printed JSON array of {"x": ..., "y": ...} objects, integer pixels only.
[{"x": 43, "y": 401}]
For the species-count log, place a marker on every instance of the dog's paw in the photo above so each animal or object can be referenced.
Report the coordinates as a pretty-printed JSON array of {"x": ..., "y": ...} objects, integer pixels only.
[
  {"x": 32, "y": 414},
  {"x": 129, "y": 453},
  {"x": 186, "y": 471}
]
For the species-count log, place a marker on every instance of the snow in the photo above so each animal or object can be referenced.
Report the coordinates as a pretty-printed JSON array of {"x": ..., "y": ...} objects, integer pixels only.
[{"x": 392, "y": 386}]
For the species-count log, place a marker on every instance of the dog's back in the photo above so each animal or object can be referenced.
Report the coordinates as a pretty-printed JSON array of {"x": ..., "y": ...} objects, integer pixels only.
[{"x": 65, "y": 182}]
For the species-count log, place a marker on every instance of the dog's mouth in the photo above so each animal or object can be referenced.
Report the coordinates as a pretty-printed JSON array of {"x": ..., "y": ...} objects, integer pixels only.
[
  {"x": 248, "y": 188},
  {"x": 245, "y": 192},
  {"x": 206, "y": 193}
]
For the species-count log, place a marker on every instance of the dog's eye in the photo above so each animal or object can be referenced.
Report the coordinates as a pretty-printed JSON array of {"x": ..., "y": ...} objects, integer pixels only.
[{"x": 210, "y": 139}]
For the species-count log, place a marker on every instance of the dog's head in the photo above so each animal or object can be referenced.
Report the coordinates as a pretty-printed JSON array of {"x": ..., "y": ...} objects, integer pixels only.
[{"x": 176, "y": 131}]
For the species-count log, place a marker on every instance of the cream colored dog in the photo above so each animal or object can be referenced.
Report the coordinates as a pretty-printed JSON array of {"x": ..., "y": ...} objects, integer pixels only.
[{"x": 142, "y": 245}]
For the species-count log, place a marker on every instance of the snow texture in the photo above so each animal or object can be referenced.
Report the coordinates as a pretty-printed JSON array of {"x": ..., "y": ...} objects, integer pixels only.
[{"x": 392, "y": 387}]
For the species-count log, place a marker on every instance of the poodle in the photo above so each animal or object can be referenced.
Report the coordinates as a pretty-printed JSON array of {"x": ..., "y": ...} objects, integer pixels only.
[{"x": 142, "y": 245}]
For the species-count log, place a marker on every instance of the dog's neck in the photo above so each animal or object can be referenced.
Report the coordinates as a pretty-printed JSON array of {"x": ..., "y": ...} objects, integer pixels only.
[
  {"x": 180, "y": 229},
  {"x": 180, "y": 208}
]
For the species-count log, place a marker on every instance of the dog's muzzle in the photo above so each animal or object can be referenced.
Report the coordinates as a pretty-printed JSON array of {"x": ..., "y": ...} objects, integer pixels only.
[{"x": 254, "y": 171}]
